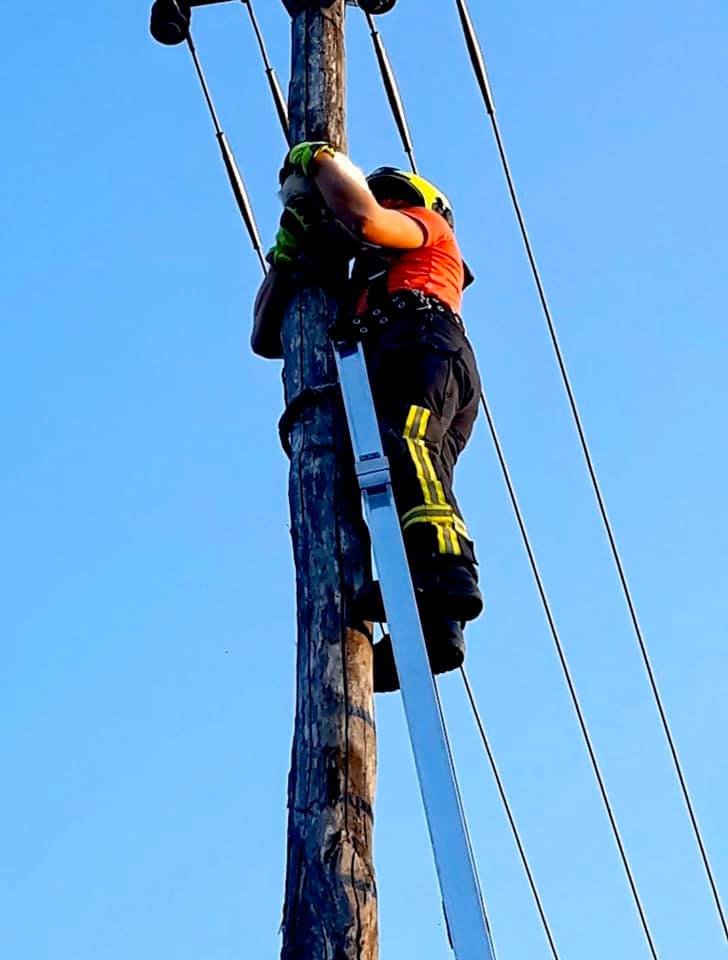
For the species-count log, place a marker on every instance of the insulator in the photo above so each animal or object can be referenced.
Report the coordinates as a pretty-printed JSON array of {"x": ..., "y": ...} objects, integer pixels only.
[
  {"x": 377, "y": 6},
  {"x": 170, "y": 22}
]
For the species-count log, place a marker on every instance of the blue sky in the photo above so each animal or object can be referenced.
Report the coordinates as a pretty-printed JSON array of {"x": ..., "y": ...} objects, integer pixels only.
[{"x": 147, "y": 585}]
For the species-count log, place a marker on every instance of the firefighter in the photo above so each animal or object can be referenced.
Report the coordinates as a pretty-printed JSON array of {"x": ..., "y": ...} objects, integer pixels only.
[{"x": 406, "y": 290}]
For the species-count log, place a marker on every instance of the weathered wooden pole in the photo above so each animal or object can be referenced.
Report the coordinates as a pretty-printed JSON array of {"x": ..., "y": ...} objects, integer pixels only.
[{"x": 330, "y": 910}]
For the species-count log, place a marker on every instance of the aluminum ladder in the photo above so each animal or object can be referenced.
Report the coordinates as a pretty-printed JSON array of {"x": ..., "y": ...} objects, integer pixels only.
[{"x": 459, "y": 885}]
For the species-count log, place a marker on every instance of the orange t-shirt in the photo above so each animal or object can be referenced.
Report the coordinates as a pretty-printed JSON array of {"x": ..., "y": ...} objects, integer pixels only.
[{"x": 435, "y": 268}]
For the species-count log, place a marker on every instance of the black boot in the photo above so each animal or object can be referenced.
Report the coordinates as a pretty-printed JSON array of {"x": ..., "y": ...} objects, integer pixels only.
[
  {"x": 445, "y": 649},
  {"x": 448, "y": 587},
  {"x": 368, "y": 603},
  {"x": 445, "y": 588}
]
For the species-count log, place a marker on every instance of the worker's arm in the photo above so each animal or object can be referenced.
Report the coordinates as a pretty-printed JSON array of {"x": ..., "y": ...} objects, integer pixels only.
[
  {"x": 347, "y": 195},
  {"x": 270, "y": 305}
]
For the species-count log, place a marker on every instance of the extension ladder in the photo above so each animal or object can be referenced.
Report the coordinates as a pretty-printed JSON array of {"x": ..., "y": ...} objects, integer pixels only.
[{"x": 462, "y": 898}]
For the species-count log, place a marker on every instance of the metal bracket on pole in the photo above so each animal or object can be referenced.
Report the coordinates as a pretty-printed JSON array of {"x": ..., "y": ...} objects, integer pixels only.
[
  {"x": 298, "y": 6},
  {"x": 462, "y": 898}
]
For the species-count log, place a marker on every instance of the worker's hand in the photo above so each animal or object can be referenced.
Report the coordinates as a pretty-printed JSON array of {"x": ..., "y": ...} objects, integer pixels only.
[
  {"x": 285, "y": 251},
  {"x": 301, "y": 157},
  {"x": 288, "y": 246},
  {"x": 292, "y": 240}
]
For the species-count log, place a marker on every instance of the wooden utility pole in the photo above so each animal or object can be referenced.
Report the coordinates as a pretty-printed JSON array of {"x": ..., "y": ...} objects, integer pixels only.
[{"x": 330, "y": 910}]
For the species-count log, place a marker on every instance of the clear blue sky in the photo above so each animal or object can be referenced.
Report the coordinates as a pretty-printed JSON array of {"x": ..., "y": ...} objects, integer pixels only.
[{"x": 147, "y": 585}]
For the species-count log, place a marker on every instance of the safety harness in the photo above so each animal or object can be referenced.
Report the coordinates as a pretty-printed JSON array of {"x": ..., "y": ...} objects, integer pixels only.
[{"x": 370, "y": 306}]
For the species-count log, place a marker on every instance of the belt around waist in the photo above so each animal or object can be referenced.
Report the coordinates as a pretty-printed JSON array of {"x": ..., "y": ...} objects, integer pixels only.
[{"x": 410, "y": 301}]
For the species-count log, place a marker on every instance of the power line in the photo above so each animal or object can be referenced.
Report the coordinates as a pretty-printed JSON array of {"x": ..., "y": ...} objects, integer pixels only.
[
  {"x": 567, "y": 675},
  {"x": 401, "y": 123},
  {"x": 481, "y": 73},
  {"x": 462, "y": 812},
  {"x": 275, "y": 87},
  {"x": 395, "y": 101},
  {"x": 392, "y": 90},
  {"x": 246, "y": 211},
  {"x": 236, "y": 180},
  {"x": 509, "y": 813}
]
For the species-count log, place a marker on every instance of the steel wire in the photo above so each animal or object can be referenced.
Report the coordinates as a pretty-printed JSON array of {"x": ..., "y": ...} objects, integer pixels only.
[
  {"x": 479, "y": 67},
  {"x": 509, "y": 814},
  {"x": 271, "y": 75},
  {"x": 391, "y": 88},
  {"x": 468, "y": 837},
  {"x": 566, "y": 670},
  {"x": 398, "y": 108},
  {"x": 237, "y": 183}
]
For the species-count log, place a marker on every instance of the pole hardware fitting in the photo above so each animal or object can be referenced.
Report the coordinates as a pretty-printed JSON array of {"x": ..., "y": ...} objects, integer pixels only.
[
  {"x": 170, "y": 23},
  {"x": 374, "y": 6},
  {"x": 299, "y": 6},
  {"x": 368, "y": 6}
]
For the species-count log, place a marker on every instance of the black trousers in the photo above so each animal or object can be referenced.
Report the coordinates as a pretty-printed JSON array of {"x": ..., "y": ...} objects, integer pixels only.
[{"x": 426, "y": 390}]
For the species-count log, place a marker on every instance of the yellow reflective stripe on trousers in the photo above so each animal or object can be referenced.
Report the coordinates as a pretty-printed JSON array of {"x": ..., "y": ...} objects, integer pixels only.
[
  {"x": 432, "y": 489},
  {"x": 444, "y": 515}
]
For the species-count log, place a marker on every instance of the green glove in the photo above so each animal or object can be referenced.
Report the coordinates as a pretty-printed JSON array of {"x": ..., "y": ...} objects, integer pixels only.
[
  {"x": 284, "y": 252},
  {"x": 303, "y": 155},
  {"x": 291, "y": 240}
]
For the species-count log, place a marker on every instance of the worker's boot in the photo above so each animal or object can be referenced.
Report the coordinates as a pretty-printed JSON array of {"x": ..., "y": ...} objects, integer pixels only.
[
  {"x": 445, "y": 648},
  {"x": 447, "y": 586},
  {"x": 368, "y": 603}
]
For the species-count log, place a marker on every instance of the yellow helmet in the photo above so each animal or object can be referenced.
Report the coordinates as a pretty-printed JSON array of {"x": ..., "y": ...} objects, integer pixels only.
[{"x": 389, "y": 183}]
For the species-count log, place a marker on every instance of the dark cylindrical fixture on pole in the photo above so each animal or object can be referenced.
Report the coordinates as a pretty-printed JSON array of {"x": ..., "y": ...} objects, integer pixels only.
[
  {"x": 377, "y": 6},
  {"x": 170, "y": 22}
]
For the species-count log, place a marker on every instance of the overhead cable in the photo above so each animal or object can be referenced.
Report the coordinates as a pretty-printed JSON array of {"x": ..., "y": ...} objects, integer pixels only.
[
  {"x": 571, "y": 686},
  {"x": 509, "y": 813},
  {"x": 275, "y": 87},
  {"x": 568, "y": 678},
  {"x": 392, "y": 90},
  {"x": 481, "y": 73},
  {"x": 236, "y": 180},
  {"x": 468, "y": 837},
  {"x": 400, "y": 118}
]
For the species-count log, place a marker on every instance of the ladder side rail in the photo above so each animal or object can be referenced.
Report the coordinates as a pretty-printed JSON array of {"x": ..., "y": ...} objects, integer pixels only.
[{"x": 457, "y": 874}]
